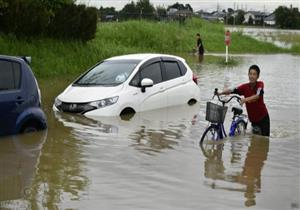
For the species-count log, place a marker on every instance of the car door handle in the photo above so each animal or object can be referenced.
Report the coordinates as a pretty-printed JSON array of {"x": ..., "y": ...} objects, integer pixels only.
[{"x": 19, "y": 100}]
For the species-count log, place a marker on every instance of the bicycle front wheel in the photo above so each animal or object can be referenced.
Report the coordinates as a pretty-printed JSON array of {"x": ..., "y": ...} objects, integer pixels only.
[
  {"x": 211, "y": 134},
  {"x": 240, "y": 128}
]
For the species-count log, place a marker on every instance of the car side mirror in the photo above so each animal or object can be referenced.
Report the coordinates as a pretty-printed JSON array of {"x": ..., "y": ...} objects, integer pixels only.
[{"x": 146, "y": 82}]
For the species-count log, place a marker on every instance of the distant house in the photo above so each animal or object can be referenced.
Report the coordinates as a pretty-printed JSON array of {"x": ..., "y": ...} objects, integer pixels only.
[
  {"x": 214, "y": 16},
  {"x": 270, "y": 19},
  {"x": 110, "y": 18},
  {"x": 220, "y": 15},
  {"x": 256, "y": 16},
  {"x": 175, "y": 14}
]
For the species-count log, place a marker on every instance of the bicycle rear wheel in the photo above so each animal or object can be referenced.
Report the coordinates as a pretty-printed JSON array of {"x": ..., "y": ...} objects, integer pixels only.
[
  {"x": 211, "y": 134},
  {"x": 240, "y": 128}
]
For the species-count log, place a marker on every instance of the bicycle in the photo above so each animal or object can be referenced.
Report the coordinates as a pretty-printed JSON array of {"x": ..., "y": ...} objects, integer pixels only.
[{"x": 215, "y": 114}]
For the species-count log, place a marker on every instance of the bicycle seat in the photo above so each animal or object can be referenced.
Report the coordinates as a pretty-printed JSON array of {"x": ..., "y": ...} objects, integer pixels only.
[{"x": 237, "y": 111}]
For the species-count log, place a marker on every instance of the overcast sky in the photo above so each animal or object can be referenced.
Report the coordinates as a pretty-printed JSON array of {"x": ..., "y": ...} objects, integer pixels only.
[{"x": 209, "y": 5}]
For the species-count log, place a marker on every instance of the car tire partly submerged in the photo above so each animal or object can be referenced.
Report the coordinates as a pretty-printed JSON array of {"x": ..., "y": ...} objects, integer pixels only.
[{"x": 31, "y": 127}]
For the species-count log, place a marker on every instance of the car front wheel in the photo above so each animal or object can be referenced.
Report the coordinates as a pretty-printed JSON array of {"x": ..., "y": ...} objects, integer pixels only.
[{"x": 30, "y": 127}]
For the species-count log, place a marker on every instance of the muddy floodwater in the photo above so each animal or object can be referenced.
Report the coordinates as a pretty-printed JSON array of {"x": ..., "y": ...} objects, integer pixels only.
[
  {"x": 280, "y": 37},
  {"x": 153, "y": 160}
]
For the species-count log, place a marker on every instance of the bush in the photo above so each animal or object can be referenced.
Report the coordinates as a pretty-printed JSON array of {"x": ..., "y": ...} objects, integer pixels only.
[
  {"x": 74, "y": 22},
  {"x": 24, "y": 18},
  {"x": 27, "y": 18}
]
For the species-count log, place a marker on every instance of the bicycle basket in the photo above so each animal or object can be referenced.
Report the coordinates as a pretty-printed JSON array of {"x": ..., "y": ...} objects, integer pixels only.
[{"x": 215, "y": 113}]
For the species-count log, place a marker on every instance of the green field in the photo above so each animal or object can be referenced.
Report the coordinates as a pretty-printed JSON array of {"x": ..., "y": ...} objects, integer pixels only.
[{"x": 52, "y": 57}]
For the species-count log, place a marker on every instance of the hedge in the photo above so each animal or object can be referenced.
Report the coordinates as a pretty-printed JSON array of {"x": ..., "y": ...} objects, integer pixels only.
[{"x": 30, "y": 18}]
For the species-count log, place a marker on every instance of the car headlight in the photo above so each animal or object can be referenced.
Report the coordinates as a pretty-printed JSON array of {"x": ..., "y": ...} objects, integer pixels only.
[
  {"x": 57, "y": 102},
  {"x": 104, "y": 102}
]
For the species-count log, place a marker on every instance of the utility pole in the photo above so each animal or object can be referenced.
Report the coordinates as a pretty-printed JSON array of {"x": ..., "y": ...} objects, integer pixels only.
[
  {"x": 141, "y": 13},
  {"x": 233, "y": 14},
  {"x": 264, "y": 15}
]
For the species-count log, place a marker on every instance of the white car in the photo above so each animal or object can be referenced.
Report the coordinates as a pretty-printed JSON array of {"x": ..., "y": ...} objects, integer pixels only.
[{"x": 129, "y": 84}]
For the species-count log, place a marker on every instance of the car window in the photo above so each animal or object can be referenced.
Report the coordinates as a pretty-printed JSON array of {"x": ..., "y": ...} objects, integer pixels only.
[
  {"x": 108, "y": 73},
  {"x": 135, "y": 80},
  {"x": 10, "y": 75},
  {"x": 172, "y": 70},
  {"x": 153, "y": 72},
  {"x": 182, "y": 68}
]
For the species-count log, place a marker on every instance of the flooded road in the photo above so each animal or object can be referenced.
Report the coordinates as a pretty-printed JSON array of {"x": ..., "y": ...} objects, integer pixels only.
[
  {"x": 153, "y": 160},
  {"x": 283, "y": 38}
]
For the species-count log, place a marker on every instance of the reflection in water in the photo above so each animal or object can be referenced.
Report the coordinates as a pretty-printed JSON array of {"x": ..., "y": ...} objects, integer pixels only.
[
  {"x": 200, "y": 58},
  {"x": 60, "y": 175},
  {"x": 19, "y": 157},
  {"x": 256, "y": 156},
  {"x": 149, "y": 141},
  {"x": 249, "y": 175},
  {"x": 166, "y": 127},
  {"x": 85, "y": 126}
]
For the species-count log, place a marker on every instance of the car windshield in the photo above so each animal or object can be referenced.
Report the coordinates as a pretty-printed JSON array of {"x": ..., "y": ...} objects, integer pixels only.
[{"x": 108, "y": 73}]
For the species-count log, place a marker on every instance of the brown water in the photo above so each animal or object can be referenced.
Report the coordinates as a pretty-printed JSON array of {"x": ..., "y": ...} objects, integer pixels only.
[
  {"x": 271, "y": 35},
  {"x": 153, "y": 160}
]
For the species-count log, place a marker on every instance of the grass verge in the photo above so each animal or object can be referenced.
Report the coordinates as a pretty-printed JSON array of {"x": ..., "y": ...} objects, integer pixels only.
[{"x": 52, "y": 58}]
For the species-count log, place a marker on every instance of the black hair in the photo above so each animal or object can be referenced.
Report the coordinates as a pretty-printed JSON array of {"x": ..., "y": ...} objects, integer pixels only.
[
  {"x": 256, "y": 68},
  {"x": 198, "y": 34}
]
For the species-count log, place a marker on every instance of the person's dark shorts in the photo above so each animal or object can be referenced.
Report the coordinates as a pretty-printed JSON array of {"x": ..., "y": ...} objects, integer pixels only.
[
  {"x": 201, "y": 51},
  {"x": 262, "y": 127}
]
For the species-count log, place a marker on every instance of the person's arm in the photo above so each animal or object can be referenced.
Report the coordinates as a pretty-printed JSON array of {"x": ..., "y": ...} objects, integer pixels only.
[
  {"x": 250, "y": 99},
  {"x": 198, "y": 43},
  {"x": 226, "y": 92}
]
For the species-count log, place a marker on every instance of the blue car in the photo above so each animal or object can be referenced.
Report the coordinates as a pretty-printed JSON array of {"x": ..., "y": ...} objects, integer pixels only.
[{"x": 20, "y": 99}]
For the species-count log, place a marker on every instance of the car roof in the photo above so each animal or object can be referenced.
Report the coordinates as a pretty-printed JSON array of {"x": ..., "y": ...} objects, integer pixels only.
[
  {"x": 16, "y": 58},
  {"x": 143, "y": 56}
]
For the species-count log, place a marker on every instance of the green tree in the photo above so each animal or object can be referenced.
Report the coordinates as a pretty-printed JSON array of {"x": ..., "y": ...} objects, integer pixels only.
[
  {"x": 177, "y": 6},
  {"x": 250, "y": 20},
  {"x": 54, "y": 4},
  {"x": 230, "y": 10},
  {"x": 230, "y": 20},
  {"x": 161, "y": 12},
  {"x": 239, "y": 19},
  {"x": 104, "y": 11},
  {"x": 287, "y": 17},
  {"x": 74, "y": 22},
  {"x": 189, "y": 7},
  {"x": 52, "y": 18},
  {"x": 129, "y": 11},
  {"x": 3, "y": 4},
  {"x": 23, "y": 18},
  {"x": 146, "y": 9}
]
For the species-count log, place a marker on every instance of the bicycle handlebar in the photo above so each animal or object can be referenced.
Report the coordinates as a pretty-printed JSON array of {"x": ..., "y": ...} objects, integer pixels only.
[{"x": 227, "y": 101}]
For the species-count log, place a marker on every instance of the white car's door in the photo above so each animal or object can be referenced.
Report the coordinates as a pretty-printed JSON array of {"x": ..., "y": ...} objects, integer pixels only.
[
  {"x": 176, "y": 85},
  {"x": 153, "y": 97}
]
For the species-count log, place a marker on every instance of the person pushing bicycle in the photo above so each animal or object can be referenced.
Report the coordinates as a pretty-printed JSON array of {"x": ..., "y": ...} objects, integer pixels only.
[{"x": 253, "y": 93}]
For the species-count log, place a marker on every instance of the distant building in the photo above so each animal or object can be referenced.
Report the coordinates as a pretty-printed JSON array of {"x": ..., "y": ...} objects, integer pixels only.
[
  {"x": 256, "y": 16},
  {"x": 270, "y": 19},
  {"x": 110, "y": 18},
  {"x": 175, "y": 14},
  {"x": 214, "y": 16}
]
